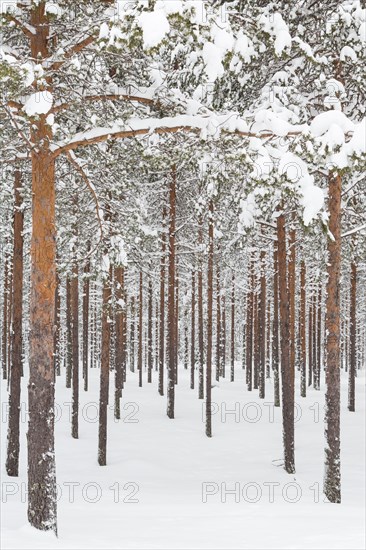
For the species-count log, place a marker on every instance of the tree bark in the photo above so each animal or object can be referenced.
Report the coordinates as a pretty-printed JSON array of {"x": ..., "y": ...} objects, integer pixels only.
[
  {"x": 288, "y": 398},
  {"x": 353, "y": 340},
  {"x": 303, "y": 329},
  {"x": 209, "y": 320},
  {"x": 15, "y": 371},
  {"x": 275, "y": 341},
  {"x": 232, "y": 365},
  {"x": 75, "y": 350},
  {"x": 141, "y": 306},
  {"x": 262, "y": 327},
  {"x": 200, "y": 312},
  {"x": 171, "y": 297},
  {"x": 193, "y": 329},
  {"x": 162, "y": 307},
  {"x": 104, "y": 369},
  {"x": 332, "y": 480},
  {"x": 86, "y": 303}
]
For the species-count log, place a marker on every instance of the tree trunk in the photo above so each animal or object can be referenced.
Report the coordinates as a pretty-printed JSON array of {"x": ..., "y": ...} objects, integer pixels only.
[
  {"x": 262, "y": 327},
  {"x": 193, "y": 329},
  {"x": 86, "y": 301},
  {"x": 68, "y": 332},
  {"x": 209, "y": 319},
  {"x": 141, "y": 307},
  {"x": 288, "y": 401},
  {"x": 353, "y": 347},
  {"x": 232, "y": 369},
  {"x": 303, "y": 329},
  {"x": 75, "y": 350},
  {"x": 120, "y": 343},
  {"x": 149, "y": 333},
  {"x": 218, "y": 321},
  {"x": 104, "y": 369},
  {"x": 332, "y": 480},
  {"x": 249, "y": 347},
  {"x": 200, "y": 312},
  {"x": 41, "y": 397},
  {"x": 275, "y": 341},
  {"x": 162, "y": 307},
  {"x": 15, "y": 372},
  {"x": 171, "y": 297},
  {"x": 4, "y": 349}
]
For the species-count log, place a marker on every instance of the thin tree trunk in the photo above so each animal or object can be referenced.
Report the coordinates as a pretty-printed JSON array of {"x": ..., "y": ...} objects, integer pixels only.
[
  {"x": 249, "y": 347},
  {"x": 15, "y": 371},
  {"x": 218, "y": 321},
  {"x": 303, "y": 328},
  {"x": 262, "y": 327},
  {"x": 209, "y": 320},
  {"x": 232, "y": 369},
  {"x": 171, "y": 297},
  {"x": 68, "y": 332},
  {"x": 275, "y": 341},
  {"x": 193, "y": 329},
  {"x": 149, "y": 333},
  {"x": 104, "y": 368},
  {"x": 75, "y": 350},
  {"x": 352, "y": 364},
  {"x": 200, "y": 312},
  {"x": 86, "y": 302},
  {"x": 141, "y": 305},
  {"x": 162, "y": 307},
  {"x": 5, "y": 319}
]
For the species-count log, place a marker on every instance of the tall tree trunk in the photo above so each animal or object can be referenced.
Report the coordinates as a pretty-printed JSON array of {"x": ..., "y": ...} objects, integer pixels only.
[
  {"x": 275, "y": 341},
  {"x": 15, "y": 372},
  {"x": 104, "y": 368},
  {"x": 288, "y": 398},
  {"x": 68, "y": 332},
  {"x": 303, "y": 329},
  {"x": 41, "y": 397},
  {"x": 332, "y": 480},
  {"x": 132, "y": 335},
  {"x": 353, "y": 347},
  {"x": 232, "y": 369},
  {"x": 149, "y": 333},
  {"x": 171, "y": 297},
  {"x": 141, "y": 308},
  {"x": 218, "y": 321},
  {"x": 209, "y": 320},
  {"x": 223, "y": 337},
  {"x": 193, "y": 329},
  {"x": 318, "y": 336},
  {"x": 262, "y": 327},
  {"x": 162, "y": 307},
  {"x": 200, "y": 312},
  {"x": 292, "y": 295},
  {"x": 86, "y": 302},
  {"x": 310, "y": 341},
  {"x": 250, "y": 309},
  {"x": 4, "y": 350},
  {"x": 56, "y": 341},
  {"x": 75, "y": 350},
  {"x": 120, "y": 343}
]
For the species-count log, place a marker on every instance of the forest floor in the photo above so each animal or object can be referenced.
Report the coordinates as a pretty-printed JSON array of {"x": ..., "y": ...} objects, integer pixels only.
[{"x": 166, "y": 483}]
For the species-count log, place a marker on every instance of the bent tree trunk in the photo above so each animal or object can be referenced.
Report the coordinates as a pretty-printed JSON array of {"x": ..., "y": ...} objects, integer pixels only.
[
  {"x": 15, "y": 373},
  {"x": 332, "y": 479}
]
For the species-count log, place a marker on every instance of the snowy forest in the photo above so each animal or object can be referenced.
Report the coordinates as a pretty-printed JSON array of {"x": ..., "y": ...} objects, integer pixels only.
[{"x": 183, "y": 274}]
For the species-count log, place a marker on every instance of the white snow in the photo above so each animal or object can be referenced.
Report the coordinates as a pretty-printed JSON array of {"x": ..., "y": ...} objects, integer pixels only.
[
  {"x": 38, "y": 103},
  {"x": 155, "y": 26},
  {"x": 165, "y": 483}
]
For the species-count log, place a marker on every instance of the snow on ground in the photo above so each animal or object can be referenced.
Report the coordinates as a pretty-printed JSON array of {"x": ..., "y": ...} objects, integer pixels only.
[{"x": 165, "y": 484}]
